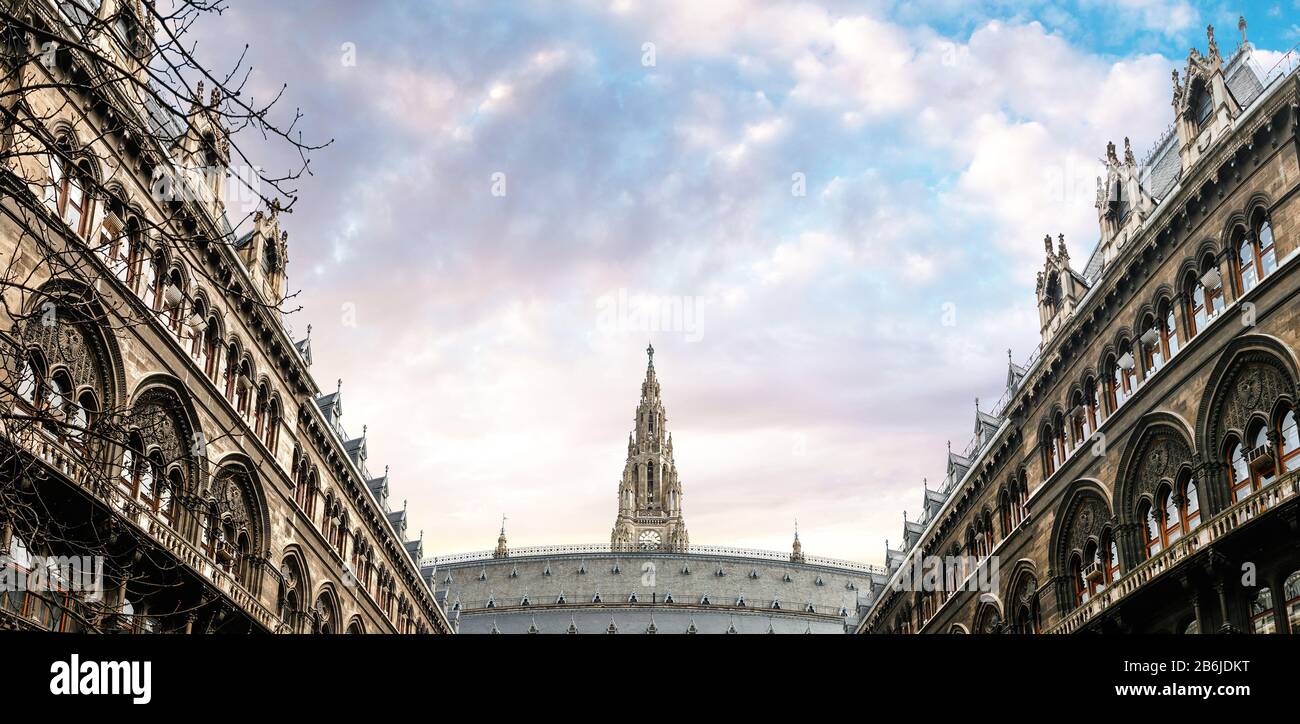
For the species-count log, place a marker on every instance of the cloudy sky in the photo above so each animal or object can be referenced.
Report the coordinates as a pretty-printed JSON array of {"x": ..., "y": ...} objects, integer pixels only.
[{"x": 815, "y": 189}]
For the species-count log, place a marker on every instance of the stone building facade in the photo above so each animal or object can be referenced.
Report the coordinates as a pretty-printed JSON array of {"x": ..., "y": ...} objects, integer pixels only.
[
  {"x": 650, "y": 579},
  {"x": 206, "y": 469},
  {"x": 1142, "y": 471}
]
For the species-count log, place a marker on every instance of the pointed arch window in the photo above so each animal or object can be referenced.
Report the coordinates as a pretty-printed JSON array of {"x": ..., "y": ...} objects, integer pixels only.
[
  {"x": 211, "y": 348},
  {"x": 1239, "y": 476},
  {"x": 67, "y": 194},
  {"x": 1151, "y": 529},
  {"x": 1261, "y": 613},
  {"x": 1049, "y": 452},
  {"x": 1288, "y": 441},
  {"x": 1172, "y": 516},
  {"x": 1114, "y": 385},
  {"x": 1168, "y": 330},
  {"x": 1094, "y": 574},
  {"x": 650, "y": 481},
  {"x": 1079, "y": 429},
  {"x": 1248, "y": 269},
  {"x": 1092, "y": 405},
  {"x": 1267, "y": 250},
  {"x": 1191, "y": 504},
  {"x": 1260, "y": 455},
  {"x": 1111, "y": 547},
  {"x": 1004, "y": 504},
  {"x": 31, "y": 376},
  {"x": 1076, "y": 580}
]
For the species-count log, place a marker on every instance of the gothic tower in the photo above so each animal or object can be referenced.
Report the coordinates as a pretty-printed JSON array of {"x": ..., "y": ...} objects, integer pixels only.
[{"x": 650, "y": 495}]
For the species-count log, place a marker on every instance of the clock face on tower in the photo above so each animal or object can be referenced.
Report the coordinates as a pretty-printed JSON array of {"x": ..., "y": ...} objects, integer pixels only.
[{"x": 649, "y": 539}]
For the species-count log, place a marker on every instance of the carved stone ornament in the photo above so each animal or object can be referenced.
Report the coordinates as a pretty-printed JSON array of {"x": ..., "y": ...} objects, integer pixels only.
[
  {"x": 1256, "y": 386},
  {"x": 64, "y": 344},
  {"x": 1161, "y": 454},
  {"x": 1086, "y": 521}
]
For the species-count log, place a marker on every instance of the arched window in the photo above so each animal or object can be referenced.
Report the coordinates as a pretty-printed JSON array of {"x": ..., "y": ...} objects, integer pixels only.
[
  {"x": 1291, "y": 589},
  {"x": 1288, "y": 441},
  {"x": 1079, "y": 429},
  {"x": 173, "y": 301},
  {"x": 243, "y": 384},
  {"x": 1261, "y": 613},
  {"x": 1198, "y": 309},
  {"x": 1004, "y": 505},
  {"x": 1092, "y": 404},
  {"x": 1049, "y": 452},
  {"x": 1127, "y": 370},
  {"x": 1264, "y": 246},
  {"x": 987, "y": 532},
  {"x": 1153, "y": 354},
  {"x": 649, "y": 481},
  {"x": 1260, "y": 458},
  {"x": 1173, "y": 519},
  {"x": 80, "y": 416},
  {"x": 1151, "y": 529},
  {"x": 1076, "y": 580},
  {"x": 1111, "y": 546},
  {"x": 1238, "y": 472},
  {"x": 68, "y": 193},
  {"x": 1202, "y": 105},
  {"x": 31, "y": 375},
  {"x": 259, "y": 410},
  {"x": 1114, "y": 384},
  {"x": 1094, "y": 572},
  {"x": 211, "y": 348},
  {"x": 231, "y": 370},
  {"x": 167, "y": 491},
  {"x": 1062, "y": 447},
  {"x": 272, "y": 424},
  {"x": 58, "y": 400},
  {"x": 1169, "y": 330},
  {"x": 1247, "y": 261},
  {"x": 1191, "y": 505}
]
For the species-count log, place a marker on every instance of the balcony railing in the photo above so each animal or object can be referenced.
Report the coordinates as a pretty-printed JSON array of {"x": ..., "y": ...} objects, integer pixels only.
[
  {"x": 604, "y": 550},
  {"x": 1208, "y": 533},
  {"x": 54, "y": 453}
]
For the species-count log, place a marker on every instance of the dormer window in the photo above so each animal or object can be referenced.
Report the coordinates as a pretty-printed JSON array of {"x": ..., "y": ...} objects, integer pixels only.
[
  {"x": 1202, "y": 104},
  {"x": 270, "y": 257}
]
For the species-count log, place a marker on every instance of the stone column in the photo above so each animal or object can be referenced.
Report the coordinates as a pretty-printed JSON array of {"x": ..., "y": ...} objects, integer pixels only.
[{"x": 1275, "y": 587}]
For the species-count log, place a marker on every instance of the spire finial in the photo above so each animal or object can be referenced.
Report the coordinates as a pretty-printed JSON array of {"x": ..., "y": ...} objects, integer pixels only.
[
  {"x": 503, "y": 524},
  {"x": 1008, "y": 354},
  {"x": 650, "y": 352},
  {"x": 1241, "y": 25},
  {"x": 339, "y": 387},
  {"x": 309, "y": 331},
  {"x": 977, "y": 405}
]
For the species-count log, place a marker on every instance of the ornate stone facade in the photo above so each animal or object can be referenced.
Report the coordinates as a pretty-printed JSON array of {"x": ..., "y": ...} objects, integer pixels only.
[
  {"x": 1148, "y": 450},
  {"x": 164, "y": 417}
]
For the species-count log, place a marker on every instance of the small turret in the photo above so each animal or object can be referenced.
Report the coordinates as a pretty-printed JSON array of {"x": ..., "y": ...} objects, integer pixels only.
[
  {"x": 796, "y": 550},
  {"x": 502, "y": 550}
]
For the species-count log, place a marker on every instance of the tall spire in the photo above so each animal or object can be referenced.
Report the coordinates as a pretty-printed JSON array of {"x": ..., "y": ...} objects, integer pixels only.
[
  {"x": 649, "y": 494},
  {"x": 796, "y": 552}
]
